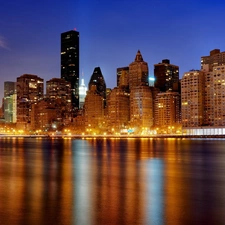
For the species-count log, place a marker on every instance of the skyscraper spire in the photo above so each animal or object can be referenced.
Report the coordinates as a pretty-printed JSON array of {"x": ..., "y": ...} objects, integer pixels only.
[{"x": 138, "y": 57}]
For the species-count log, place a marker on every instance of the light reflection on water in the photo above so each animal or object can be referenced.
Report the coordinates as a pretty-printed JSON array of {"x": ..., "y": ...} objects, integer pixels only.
[{"x": 112, "y": 181}]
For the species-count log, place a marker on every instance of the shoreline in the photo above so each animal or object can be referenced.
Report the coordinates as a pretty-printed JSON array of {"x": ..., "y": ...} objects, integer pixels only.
[{"x": 110, "y": 136}]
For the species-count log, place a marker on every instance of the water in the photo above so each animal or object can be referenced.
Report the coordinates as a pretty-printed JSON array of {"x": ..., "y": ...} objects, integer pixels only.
[{"x": 112, "y": 181}]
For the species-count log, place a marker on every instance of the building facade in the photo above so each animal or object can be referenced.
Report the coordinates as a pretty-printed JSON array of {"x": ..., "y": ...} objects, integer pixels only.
[
  {"x": 167, "y": 109},
  {"x": 98, "y": 81},
  {"x": 216, "y": 58},
  {"x": 166, "y": 76},
  {"x": 192, "y": 98},
  {"x": 70, "y": 63},
  {"x": 30, "y": 89},
  {"x": 9, "y": 102},
  {"x": 122, "y": 76},
  {"x": 82, "y": 93}
]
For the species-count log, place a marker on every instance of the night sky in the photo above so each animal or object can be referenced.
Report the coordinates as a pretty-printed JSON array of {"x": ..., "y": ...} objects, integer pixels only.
[{"x": 111, "y": 32}]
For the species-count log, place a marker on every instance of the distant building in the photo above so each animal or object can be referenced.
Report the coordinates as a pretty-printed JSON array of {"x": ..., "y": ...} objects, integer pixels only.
[
  {"x": 30, "y": 89},
  {"x": 118, "y": 105},
  {"x": 141, "y": 99},
  {"x": 138, "y": 72},
  {"x": 10, "y": 102},
  {"x": 122, "y": 76},
  {"x": 167, "y": 109},
  {"x": 70, "y": 63},
  {"x": 93, "y": 111},
  {"x": 192, "y": 98},
  {"x": 82, "y": 93},
  {"x": 166, "y": 76},
  {"x": 216, "y": 58},
  {"x": 98, "y": 80}
]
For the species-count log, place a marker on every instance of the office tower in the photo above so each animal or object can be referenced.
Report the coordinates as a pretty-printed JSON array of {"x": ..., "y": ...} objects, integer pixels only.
[
  {"x": 214, "y": 104},
  {"x": 82, "y": 93},
  {"x": 192, "y": 98},
  {"x": 122, "y": 76},
  {"x": 10, "y": 102},
  {"x": 118, "y": 104},
  {"x": 167, "y": 110},
  {"x": 97, "y": 80},
  {"x": 70, "y": 63},
  {"x": 166, "y": 76},
  {"x": 216, "y": 58},
  {"x": 29, "y": 90},
  {"x": 141, "y": 102},
  {"x": 93, "y": 111},
  {"x": 138, "y": 72},
  {"x": 141, "y": 107}
]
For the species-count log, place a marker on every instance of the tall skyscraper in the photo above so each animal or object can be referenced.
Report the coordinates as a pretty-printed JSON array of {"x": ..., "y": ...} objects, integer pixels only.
[
  {"x": 138, "y": 72},
  {"x": 82, "y": 93},
  {"x": 166, "y": 76},
  {"x": 98, "y": 80},
  {"x": 141, "y": 100},
  {"x": 70, "y": 63}
]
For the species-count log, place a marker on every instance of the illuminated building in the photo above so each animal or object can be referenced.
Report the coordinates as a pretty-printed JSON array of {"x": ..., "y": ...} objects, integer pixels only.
[
  {"x": 29, "y": 90},
  {"x": 98, "y": 81},
  {"x": 216, "y": 58},
  {"x": 141, "y": 107},
  {"x": 10, "y": 102},
  {"x": 192, "y": 98},
  {"x": 122, "y": 76},
  {"x": 138, "y": 72},
  {"x": 151, "y": 81},
  {"x": 118, "y": 104},
  {"x": 82, "y": 93},
  {"x": 141, "y": 101},
  {"x": 43, "y": 116},
  {"x": 70, "y": 63},
  {"x": 93, "y": 110},
  {"x": 166, "y": 76},
  {"x": 214, "y": 106},
  {"x": 167, "y": 109}
]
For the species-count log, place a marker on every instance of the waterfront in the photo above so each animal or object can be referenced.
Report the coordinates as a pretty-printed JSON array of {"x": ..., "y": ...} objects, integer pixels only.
[{"x": 152, "y": 181}]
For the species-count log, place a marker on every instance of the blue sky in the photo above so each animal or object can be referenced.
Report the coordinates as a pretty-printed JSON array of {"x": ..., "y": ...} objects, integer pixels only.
[{"x": 111, "y": 32}]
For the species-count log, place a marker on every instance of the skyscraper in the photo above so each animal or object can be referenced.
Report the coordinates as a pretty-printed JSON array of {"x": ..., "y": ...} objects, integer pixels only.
[
  {"x": 10, "y": 102},
  {"x": 166, "y": 76},
  {"x": 98, "y": 80},
  {"x": 70, "y": 63},
  {"x": 30, "y": 89}
]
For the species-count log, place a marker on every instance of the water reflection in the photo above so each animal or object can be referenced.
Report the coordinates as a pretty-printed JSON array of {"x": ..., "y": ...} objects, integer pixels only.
[{"x": 112, "y": 181}]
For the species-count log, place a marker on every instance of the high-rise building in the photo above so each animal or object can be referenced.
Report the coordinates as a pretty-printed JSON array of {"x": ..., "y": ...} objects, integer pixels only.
[
  {"x": 70, "y": 63},
  {"x": 82, "y": 93},
  {"x": 30, "y": 89},
  {"x": 98, "y": 80},
  {"x": 93, "y": 111},
  {"x": 138, "y": 72},
  {"x": 166, "y": 76},
  {"x": 192, "y": 98},
  {"x": 10, "y": 102},
  {"x": 118, "y": 104},
  {"x": 216, "y": 58},
  {"x": 167, "y": 109},
  {"x": 214, "y": 104},
  {"x": 141, "y": 101},
  {"x": 122, "y": 76}
]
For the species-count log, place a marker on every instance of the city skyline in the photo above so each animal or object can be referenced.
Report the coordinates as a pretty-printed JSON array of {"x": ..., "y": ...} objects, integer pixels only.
[{"x": 110, "y": 35}]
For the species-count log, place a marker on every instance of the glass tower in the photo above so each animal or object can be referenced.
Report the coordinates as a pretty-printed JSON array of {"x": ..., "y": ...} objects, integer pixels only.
[{"x": 70, "y": 63}]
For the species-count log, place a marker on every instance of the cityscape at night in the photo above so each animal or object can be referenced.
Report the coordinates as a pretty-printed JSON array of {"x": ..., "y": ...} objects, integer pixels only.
[{"x": 112, "y": 112}]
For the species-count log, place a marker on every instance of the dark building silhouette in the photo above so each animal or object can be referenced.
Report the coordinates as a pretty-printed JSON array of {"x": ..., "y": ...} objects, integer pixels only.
[
  {"x": 166, "y": 76},
  {"x": 97, "y": 80},
  {"x": 70, "y": 63}
]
